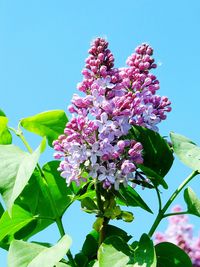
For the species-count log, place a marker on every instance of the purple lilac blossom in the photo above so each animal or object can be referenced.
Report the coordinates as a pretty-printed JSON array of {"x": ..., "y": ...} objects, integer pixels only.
[
  {"x": 180, "y": 233},
  {"x": 115, "y": 99}
]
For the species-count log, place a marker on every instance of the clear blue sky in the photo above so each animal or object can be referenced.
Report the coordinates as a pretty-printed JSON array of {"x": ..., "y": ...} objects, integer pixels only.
[{"x": 42, "y": 50}]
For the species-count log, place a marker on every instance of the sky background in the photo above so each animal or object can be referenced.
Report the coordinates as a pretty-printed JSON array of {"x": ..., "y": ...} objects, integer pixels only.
[{"x": 43, "y": 45}]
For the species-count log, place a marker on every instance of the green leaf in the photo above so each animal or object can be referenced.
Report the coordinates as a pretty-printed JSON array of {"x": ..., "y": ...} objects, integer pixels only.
[
  {"x": 90, "y": 245},
  {"x": 2, "y": 113},
  {"x": 11, "y": 225},
  {"x": 145, "y": 255},
  {"x": 35, "y": 199},
  {"x": 113, "y": 252},
  {"x": 61, "y": 264},
  {"x": 186, "y": 150},
  {"x": 93, "y": 263},
  {"x": 127, "y": 196},
  {"x": 5, "y": 135},
  {"x": 24, "y": 254},
  {"x": 61, "y": 193},
  {"x": 169, "y": 254},
  {"x": 81, "y": 259},
  {"x": 127, "y": 216},
  {"x": 51, "y": 256},
  {"x": 84, "y": 190},
  {"x": 192, "y": 201},
  {"x": 49, "y": 123},
  {"x": 113, "y": 230},
  {"x": 153, "y": 176},
  {"x": 44, "y": 244},
  {"x": 1, "y": 210},
  {"x": 16, "y": 168},
  {"x": 157, "y": 154},
  {"x": 88, "y": 205}
]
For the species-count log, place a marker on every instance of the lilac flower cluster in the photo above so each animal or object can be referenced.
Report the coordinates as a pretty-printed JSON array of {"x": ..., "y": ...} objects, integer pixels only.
[
  {"x": 115, "y": 99},
  {"x": 180, "y": 233}
]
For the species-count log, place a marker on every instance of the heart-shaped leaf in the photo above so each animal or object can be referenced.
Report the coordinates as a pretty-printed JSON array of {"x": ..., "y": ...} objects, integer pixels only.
[
  {"x": 24, "y": 254},
  {"x": 192, "y": 201},
  {"x": 16, "y": 168},
  {"x": 113, "y": 252},
  {"x": 186, "y": 150},
  {"x": 90, "y": 245},
  {"x": 49, "y": 123},
  {"x": 158, "y": 157},
  {"x": 35, "y": 198},
  {"x": 145, "y": 255},
  {"x": 11, "y": 225},
  {"x": 170, "y": 255}
]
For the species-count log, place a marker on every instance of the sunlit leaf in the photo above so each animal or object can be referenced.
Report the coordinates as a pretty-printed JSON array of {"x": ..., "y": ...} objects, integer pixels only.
[
  {"x": 61, "y": 193},
  {"x": 192, "y": 201},
  {"x": 16, "y": 168},
  {"x": 113, "y": 252},
  {"x": 90, "y": 245},
  {"x": 11, "y": 225},
  {"x": 35, "y": 197},
  {"x": 24, "y": 254},
  {"x": 49, "y": 123},
  {"x": 186, "y": 150}
]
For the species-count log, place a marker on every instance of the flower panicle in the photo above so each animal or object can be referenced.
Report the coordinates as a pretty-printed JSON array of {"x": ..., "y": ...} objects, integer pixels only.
[{"x": 115, "y": 100}]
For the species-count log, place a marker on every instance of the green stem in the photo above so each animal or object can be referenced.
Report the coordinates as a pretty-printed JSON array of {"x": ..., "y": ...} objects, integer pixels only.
[
  {"x": 62, "y": 233},
  {"x": 21, "y": 136},
  {"x": 47, "y": 193},
  {"x": 159, "y": 200},
  {"x": 98, "y": 196},
  {"x": 175, "y": 213},
  {"x": 161, "y": 214},
  {"x": 102, "y": 231},
  {"x": 60, "y": 226}
]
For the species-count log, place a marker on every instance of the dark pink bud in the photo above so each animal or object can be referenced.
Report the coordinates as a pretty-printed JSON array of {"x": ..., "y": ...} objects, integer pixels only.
[
  {"x": 72, "y": 109},
  {"x": 101, "y": 56},
  {"x": 57, "y": 156}
]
